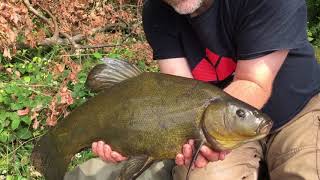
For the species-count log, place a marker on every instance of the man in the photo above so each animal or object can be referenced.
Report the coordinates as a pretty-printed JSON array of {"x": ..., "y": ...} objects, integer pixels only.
[{"x": 258, "y": 52}]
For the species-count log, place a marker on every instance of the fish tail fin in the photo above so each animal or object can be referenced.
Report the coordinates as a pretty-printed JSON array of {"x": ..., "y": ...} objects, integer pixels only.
[
  {"x": 47, "y": 160},
  {"x": 112, "y": 72}
]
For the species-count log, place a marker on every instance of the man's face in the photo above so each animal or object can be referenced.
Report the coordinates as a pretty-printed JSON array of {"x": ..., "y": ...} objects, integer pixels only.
[{"x": 184, "y": 6}]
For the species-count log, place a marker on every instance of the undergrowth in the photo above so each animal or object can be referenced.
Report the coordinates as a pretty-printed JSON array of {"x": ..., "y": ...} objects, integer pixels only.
[{"x": 37, "y": 89}]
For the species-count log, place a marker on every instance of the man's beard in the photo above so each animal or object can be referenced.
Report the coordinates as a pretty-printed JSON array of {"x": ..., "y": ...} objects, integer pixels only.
[{"x": 185, "y": 6}]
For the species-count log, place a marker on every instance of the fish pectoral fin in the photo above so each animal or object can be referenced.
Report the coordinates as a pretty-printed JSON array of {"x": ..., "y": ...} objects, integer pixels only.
[
  {"x": 134, "y": 167},
  {"x": 197, "y": 147},
  {"x": 112, "y": 72}
]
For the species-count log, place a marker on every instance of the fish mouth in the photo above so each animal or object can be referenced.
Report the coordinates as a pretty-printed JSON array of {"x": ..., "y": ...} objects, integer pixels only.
[{"x": 264, "y": 127}]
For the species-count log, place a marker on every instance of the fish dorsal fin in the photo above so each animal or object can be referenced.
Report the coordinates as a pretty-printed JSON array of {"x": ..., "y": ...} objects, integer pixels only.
[{"x": 112, "y": 72}]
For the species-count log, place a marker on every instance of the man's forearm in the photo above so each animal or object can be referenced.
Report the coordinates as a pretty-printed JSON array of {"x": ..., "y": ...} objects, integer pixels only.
[
  {"x": 248, "y": 92},
  {"x": 254, "y": 79}
]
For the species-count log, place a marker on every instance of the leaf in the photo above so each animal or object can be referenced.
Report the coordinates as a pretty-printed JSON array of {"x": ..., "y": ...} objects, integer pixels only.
[
  {"x": 97, "y": 55},
  {"x": 27, "y": 79},
  {"x": 24, "y": 133},
  {"x": 35, "y": 124},
  {"x": 66, "y": 97},
  {"x": 3, "y": 116},
  {"x": 60, "y": 67},
  {"x": 6, "y": 53},
  {"x": 4, "y": 136},
  {"x": 13, "y": 116},
  {"x": 51, "y": 120},
  {"x": 9, "y": 177},
  {"x": 310, "y": 39},
  {"x": 26, "y": 119},
  {"x": 15, "y": 124},
  {"x": 23, "y": 112},
  {"x": 16, "y": 106}
]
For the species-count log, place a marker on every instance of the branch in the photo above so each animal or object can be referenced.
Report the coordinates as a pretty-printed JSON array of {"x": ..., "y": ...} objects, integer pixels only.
[
  {"x": 73, "y": 40},
  {"x": 74, "y": 44},
  {"x": 34, "y": 11}
]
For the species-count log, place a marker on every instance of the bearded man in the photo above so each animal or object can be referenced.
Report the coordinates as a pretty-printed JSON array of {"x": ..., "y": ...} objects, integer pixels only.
[{"x": 258, "y": 52}]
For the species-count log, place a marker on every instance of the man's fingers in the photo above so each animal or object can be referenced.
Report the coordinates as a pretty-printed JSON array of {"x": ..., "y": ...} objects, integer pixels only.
[
  {"x": 179, "y": 159},
  {"x": 223, "y": 154},
  {"x": 187, "y": 153},
  {"x": 191, "y": 142},
  {"x": 100, "y": 148},
  {"x": 117, "y": 157},
  {"x": 107, "y": 154},
  {"x": 201, "y": 161},
  {"x": 94, "y": 148},
  {"x": 209, "y": 154}
]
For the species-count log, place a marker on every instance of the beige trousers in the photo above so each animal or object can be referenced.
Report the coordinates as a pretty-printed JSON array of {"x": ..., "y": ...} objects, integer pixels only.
[{"x": 291, "y": 153}]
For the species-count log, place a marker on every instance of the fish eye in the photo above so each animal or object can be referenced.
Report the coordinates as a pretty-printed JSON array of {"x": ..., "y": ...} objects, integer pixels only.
[{"x": 240, "y": 113}]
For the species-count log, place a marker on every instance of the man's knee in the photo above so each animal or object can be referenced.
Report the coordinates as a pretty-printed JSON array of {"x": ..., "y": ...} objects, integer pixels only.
[{"x": 292, "y": 152}]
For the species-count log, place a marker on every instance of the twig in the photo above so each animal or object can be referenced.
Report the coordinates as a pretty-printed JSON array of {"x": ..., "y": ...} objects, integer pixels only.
[
  {"x": 74, "y": 44},
  {"x": 98, "y": 46},
  {"x": 25, "y": 142},
  {"x": 26, "y": 85},
  {"x": 34, "y": 11},
  {"x": 80, "y": 37}
]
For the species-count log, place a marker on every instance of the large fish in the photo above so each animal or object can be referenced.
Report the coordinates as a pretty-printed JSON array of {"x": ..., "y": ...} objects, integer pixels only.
[{"x": 147, "y": 117}]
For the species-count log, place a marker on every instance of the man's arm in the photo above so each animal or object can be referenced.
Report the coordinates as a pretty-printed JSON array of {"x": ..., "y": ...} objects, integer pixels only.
[
  {"x": 175, "y": 66},
  {"x": 254, "y": 78}
]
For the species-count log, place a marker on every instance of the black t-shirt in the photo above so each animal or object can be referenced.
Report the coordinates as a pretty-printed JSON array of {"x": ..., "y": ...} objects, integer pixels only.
[{"x": 232, "y": 30}]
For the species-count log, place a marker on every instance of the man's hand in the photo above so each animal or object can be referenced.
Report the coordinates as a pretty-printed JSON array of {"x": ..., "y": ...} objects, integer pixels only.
[
  {"x": 206, "y": 155},
  {"x": 105, "y": 152}
]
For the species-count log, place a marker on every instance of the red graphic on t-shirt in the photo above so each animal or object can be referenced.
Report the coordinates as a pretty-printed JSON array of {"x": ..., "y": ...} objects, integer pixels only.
[{"x": 218, "y": 69}]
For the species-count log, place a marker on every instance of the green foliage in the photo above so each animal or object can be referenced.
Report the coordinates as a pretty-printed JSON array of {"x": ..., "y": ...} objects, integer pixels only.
[
  {"x": 27, "y": 87},
  {"x": 22, "y": 85},
  {"x": 18, "y": 92},
  {"x": 313, "y": 11},
  {"x": 120, "y": 53},
  {"x": 314, "y": 21},
  {"x": 80, "y": 158},
  {"x": 314, "y": 34}
]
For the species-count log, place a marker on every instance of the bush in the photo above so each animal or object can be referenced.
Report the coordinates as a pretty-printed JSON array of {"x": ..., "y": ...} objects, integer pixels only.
[{"x": 314, "y": 21}]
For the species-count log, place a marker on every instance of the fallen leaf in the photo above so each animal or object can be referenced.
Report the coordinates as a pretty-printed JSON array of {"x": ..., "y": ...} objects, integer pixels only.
[
  {"x": 66, "y": 97},
  {"x": 9, "y": 70},
  {"x": 35, "y": 124},
  {"x": 23, "y": 112},
  {"x": 52, "y": 114},
  {"x": 51, "y": 121},
  {"x": 60, "y": 67},
  {"x": 18, "y": 74},
  {"x": 6, "y": 53}
]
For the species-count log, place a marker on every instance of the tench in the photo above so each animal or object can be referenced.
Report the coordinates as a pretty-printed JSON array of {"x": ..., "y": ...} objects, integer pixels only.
[{"x": 147, "y": 117}]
